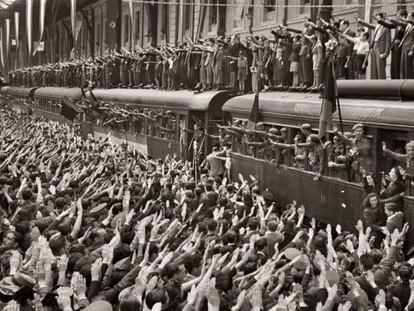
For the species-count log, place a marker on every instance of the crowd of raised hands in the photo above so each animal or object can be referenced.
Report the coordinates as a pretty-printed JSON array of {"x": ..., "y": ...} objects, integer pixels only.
[{"x": 89, "y": 225}]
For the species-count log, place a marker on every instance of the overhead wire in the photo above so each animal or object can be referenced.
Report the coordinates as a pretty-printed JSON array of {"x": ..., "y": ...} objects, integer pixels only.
[{"x": 262, "y": 4}]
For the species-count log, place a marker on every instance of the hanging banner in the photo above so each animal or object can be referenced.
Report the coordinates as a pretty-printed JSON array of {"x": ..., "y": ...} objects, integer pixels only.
[
  {"x": 132, "y": 19},
  {"x": 42, "y": 12},
  {"x": 16, "y": 28},
  {"x": 7, "y": 37},
  {"x": 72, "y": 17},
  {"x": 29, "y": 11},
  {"x": 368, "y": 5},
  {"x": 42, "y": 18},
  {"x": 1, "y": 48},
  {"x": 78, "y": 27}
]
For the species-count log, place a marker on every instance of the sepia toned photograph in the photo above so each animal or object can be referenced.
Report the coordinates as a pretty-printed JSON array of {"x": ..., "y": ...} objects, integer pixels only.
[{"x": 207, "y": 155}]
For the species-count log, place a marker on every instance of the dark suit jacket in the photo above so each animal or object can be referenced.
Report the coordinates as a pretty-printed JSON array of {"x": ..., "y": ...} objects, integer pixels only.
[{"x": 384, "y": 41}]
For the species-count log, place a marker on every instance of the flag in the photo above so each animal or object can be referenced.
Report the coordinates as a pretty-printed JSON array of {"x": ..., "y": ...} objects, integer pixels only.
[
  {"x": 254, "y": 114},
  {"x": 132, "y": 19},
  {"x": 42, "y": 18},
  {"x": 72, "y": 17},
  {"x": 42, "y": 12},
  {"x": 1, "y": 48},
  {"x": 29, "y": 11},
  {"x": 7, "y": 21},
  {"x": 328, "y": 101},
  {"x": 16, "y": 28}
]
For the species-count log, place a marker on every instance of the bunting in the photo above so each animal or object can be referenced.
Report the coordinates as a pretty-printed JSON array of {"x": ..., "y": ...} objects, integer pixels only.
[{"x": 29, "y": 11}]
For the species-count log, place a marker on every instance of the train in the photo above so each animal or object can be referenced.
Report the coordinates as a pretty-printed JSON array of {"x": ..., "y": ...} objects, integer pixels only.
[{"x": 386, "y": 108}]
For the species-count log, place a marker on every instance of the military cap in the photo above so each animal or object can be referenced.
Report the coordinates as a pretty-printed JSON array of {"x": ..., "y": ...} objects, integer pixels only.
[
  {"x": 357, "y": 126},
  {"x": 273, "y": 130},
  {"x": 169, "y": 112},
  {"x": 306, "y": 126},
  {"x": 283, "y": 129},
  {"x": 260, "y": 124}
]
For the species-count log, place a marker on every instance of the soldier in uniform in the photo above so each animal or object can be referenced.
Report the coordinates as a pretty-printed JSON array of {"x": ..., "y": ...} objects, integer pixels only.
[{"x": 360, "y": 149}]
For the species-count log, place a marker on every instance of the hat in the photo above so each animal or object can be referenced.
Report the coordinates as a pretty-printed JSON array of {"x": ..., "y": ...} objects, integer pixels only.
[
  {"x": 357, "y": 126},
  {"x": 306, "y": 126},
  {"x": 283, "y": 129},
  {"x": 273, "y": 130},
  {"x": 99, "y": 305},
  {"x": 259, "y": 124}
]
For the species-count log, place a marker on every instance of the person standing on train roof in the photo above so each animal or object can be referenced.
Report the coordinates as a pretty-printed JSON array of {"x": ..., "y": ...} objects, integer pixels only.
[{"x": 361, "y": 149}]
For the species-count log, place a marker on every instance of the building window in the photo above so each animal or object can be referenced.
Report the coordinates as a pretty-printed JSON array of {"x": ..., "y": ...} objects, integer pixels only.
[
  {"x": 303, "y": 5},
  {"x": 187, "y": 17},
  {"x": 269, "y": 10},
  {"x": 238, "y": 13},
  {"x": 212, "y": 14},
  {"x": 126, "y": 28}
]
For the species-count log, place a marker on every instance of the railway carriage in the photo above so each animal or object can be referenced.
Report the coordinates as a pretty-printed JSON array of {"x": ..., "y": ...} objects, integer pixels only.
[
  {"x": 389, "y": 117},
  {"x": 184, "y": 107}
]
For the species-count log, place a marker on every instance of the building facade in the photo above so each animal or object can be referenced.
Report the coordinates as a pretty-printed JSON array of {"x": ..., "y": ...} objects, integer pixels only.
[{"x": 107, "y": 25}]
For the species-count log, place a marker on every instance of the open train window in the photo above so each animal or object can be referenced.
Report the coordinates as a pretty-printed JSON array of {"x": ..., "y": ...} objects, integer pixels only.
[{"x": 395, "y": 141}]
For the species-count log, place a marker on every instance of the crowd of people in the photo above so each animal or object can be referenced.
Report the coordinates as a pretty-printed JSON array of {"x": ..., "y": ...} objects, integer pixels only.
[
  {"x": 88, "y": 225},
  {"x": 295, "y": 59}
]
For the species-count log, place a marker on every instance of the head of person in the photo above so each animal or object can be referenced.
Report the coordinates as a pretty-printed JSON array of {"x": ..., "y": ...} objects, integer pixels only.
[
  {"x": 367, "y": 262},
  {"x": 409, "y": 148},
  {"x": 379, "y": 16},
  {"x": 395, "y": 175},
  {"x": 260, "y": 126},
  {"x": 129, "y": 303},
  {"x": 11, "y": 241},
  {"x": 365, "y": 36},
  {"x": 371, "y": 200},
  {"x": 390, "y": 209},
  {"x": 306, "y": 129},
  {"x": 344, "y": 25},
  {"x": 358, "y": 130},
  {"x": 314, "y": 139},
  {"x": 402, "y": 13}
]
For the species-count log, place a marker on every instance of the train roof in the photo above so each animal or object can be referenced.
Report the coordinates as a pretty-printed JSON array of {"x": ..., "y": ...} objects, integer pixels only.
[
  {"x": 274, "y": 106},
  {"x": 18, "y": 91},
  {"x": 58, "y": 92},
  {"x": 181, "y": 100}
]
